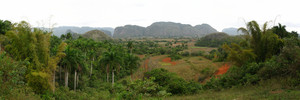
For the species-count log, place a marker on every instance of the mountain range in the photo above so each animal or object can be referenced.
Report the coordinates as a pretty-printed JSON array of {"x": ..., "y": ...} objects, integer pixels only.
[
  {"x": 163, "y": 30},
  {"x": 156, "y": 29}
]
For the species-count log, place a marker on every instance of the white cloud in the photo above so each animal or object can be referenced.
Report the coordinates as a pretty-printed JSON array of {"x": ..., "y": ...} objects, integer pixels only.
[{"x": 112, "y": 13}]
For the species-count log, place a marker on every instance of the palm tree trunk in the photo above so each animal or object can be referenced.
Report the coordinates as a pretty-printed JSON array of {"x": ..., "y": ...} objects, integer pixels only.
[
  {"x": 75, "y": 80},
  {"x": 59, "y": 73},
  {"x": 53, "y": 81},
  {"x": 92, "y": 67},
  {"x": 131, "y": 75},
  {"x": 66, "y": 77},
  {"x": 107, "y": 74},
  {"x": 131, "y": 51},
  {"x": 113, "y": 76}
]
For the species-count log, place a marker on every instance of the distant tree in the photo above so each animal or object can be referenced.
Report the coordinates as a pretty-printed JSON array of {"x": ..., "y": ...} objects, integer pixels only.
[
  {"x": 69, "y": 36},
  {"x": 63, "y": 37},
  {"x": 5, "y": 26},
  {"x": 130, "y": 46}
]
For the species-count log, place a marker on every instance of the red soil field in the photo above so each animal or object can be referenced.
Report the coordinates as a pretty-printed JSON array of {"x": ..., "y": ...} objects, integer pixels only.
[
  {"x": 223, "y": 69},
  {"x": 168, "y": 60}
]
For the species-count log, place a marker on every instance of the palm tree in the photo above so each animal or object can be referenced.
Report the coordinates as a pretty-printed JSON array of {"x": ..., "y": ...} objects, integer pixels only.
[
  {"x": 130, "y": 46},
  {"x": 280, "y": 31},
  {"x": 131, "y": 62},
  {"x": 72, "y": 60},
  {"x": 263, "y": 42},
  {"x": 112, "y": 60}
]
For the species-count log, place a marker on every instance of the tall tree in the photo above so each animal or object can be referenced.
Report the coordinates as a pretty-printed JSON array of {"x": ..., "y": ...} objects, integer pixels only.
[
  {"x": 111, "y": 58},
  {"x": 263, "y": 41},
  {"x": 72, "y": 60},
  {"x": 131, "y": 62},
  {"x": 130, "y": 46}
]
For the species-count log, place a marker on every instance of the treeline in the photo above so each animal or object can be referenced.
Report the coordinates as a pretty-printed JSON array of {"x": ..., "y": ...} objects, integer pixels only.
[{"x": 216, "y": 40}]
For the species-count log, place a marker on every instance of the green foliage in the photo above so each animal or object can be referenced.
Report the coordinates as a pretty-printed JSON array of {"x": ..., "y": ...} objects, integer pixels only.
[
  {"x": 11, "y": 74},
  {"x": 34, "y": 46},
  {"x": 198, "y": 53},
  {"x": 139, "y": 88},
  {"x": 217, "y": 55},
  {"x": 282, "y": 32},
  {"x": 172, "y": 82},
  {"x": 216, "y": 40},
  {"x": 38, "y": 81},
  {"x": 5, "y": 26}
]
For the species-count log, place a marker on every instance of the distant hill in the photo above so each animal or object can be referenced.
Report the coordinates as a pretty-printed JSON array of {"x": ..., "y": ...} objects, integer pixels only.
[
  {"x": 213, "y": 40},
  {"x": 130, "y": 31},
  {"x": 231, "y": 31},
  {"x": 164, "y": 30},
  {"x": 96, "y": 35},
  {"x": 58, "y": 31},
  {"x": 205, "y": 29}
]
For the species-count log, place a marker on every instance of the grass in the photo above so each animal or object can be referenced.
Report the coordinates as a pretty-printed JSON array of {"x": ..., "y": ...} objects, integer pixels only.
[
  {"x": 266, "y": 90},
  {"x": 188, "y": 68},
  {"x": 241, "y": 93}
]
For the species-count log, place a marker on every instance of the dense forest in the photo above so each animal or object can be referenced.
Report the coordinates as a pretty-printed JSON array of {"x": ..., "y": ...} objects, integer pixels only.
[{"x": 35, "y": 64}]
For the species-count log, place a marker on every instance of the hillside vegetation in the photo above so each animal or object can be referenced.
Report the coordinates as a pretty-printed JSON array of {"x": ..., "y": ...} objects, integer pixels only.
[
  {"x": 217, "y": 39},
  {"x": 96, "y": 35}
]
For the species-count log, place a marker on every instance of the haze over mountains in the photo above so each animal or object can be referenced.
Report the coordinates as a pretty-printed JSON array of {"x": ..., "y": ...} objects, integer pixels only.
[
  {"x": 156, "y": 29},
  {"x": 163, "y": 30},
  {"x": 58, "y": 31},
  {"x": 232, "y": 31}
]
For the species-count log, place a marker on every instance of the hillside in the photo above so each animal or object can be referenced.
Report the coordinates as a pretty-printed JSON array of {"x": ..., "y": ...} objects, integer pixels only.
[
  {"x": 96, "y": 35},
  {"x": 58, "y": 31},
  {"x": 213, "y": 39},
  {"x": 163, "y": 30},
  {"x": 205, "y": 29},
  {"x": 130, "y": 31}
]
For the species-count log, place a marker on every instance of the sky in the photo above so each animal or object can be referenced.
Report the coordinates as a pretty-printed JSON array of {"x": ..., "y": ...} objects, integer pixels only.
[{"x": 219, "y": 14}]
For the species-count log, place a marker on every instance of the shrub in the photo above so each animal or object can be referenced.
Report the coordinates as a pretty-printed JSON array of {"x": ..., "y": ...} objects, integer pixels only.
[
  {"x": 172, "y": 82},
  {"x": 198, "y": 53},
  {"x": 140, "y": 88},
  {"x": 185, "y": 54}
]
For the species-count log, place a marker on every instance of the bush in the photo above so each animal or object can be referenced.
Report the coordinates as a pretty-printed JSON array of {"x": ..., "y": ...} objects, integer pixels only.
[
  {"x": 140, "y": 88},
  {"x": 175, "y": 56},
  {"x": 198, "y": 53},
  {"x": 172, "y": 82},
  {"x": 185, "y": 54}
]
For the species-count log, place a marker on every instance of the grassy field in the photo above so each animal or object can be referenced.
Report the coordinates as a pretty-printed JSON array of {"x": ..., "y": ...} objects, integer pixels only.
[
  {"x": 241, "y": 93},
  {"x": 273, "y": 89},
  {"x": 189, "y": 68}
]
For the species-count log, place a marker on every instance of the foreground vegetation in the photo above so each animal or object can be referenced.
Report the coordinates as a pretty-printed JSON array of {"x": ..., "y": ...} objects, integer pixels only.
[{"x": 37, "y": 65}]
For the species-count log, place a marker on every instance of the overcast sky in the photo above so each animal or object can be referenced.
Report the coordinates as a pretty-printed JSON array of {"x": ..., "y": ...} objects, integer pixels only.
[{"x": 112, "y": 13}]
